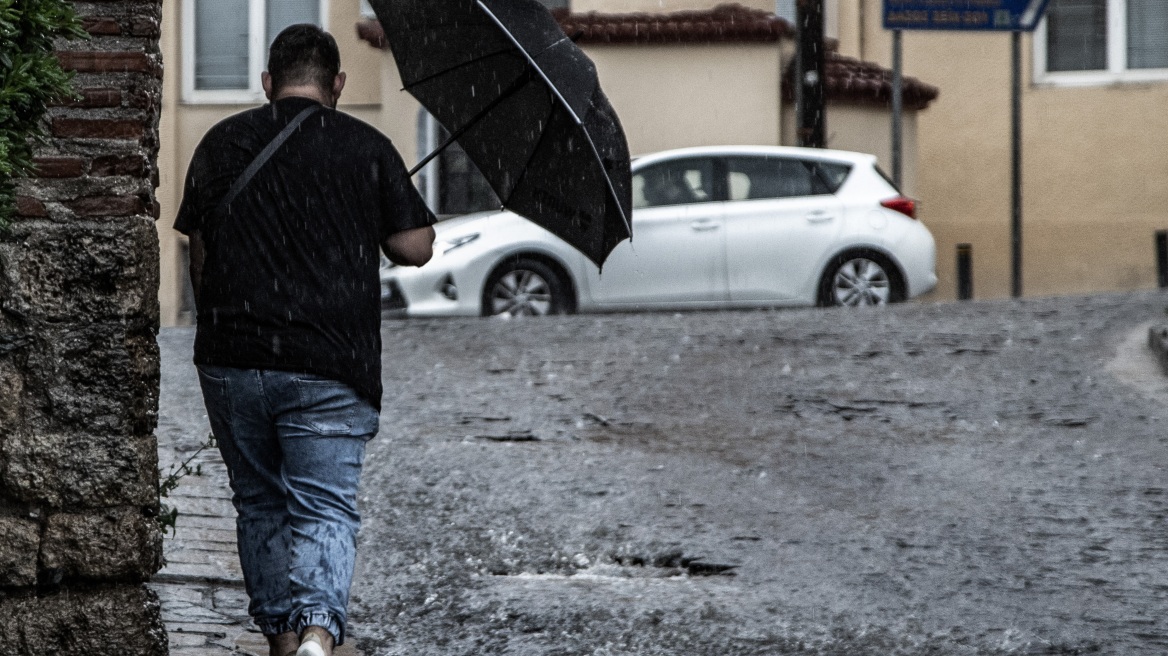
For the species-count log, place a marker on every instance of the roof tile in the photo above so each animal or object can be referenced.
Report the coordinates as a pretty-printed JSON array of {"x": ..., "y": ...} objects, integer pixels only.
[
  {"x": 724, "y": 23},
  {"x": 851, "y": 80}
]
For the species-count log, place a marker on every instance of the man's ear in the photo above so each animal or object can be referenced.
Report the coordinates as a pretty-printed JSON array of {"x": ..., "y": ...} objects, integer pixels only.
[
  {"x": 266, "y": 81},
  {"x": 338, "y": 86}
]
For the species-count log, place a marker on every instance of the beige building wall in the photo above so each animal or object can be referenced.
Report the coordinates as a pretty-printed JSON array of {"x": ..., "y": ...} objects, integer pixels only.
[
  {"x": 398, "y": 112},
  {"x": 692, "y": 95},
  {"x": 1094, "y": 162},
  {"x": 666, "y": 96}
]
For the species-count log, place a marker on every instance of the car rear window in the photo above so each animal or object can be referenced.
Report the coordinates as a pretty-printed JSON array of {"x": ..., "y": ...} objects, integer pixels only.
[
  {"x": 832, "y": 174},
  {"x": 760, "y": 177}
]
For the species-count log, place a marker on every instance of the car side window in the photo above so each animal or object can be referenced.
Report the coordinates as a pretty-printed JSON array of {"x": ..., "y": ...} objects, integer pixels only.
[
  {"x": 676, "y": 182},
  {"x": 752, "y": 178}
]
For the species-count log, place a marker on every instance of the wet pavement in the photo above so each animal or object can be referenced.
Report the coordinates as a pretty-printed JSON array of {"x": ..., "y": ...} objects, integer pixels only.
[{"x": 975, "y": 478}]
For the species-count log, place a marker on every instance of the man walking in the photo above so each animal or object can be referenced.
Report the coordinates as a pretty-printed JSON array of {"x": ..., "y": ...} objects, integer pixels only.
[{"x": 287, "y": 207}]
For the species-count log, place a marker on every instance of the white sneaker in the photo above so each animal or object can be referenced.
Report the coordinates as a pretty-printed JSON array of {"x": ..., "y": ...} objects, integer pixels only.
[{"x": 311, "y": 646}]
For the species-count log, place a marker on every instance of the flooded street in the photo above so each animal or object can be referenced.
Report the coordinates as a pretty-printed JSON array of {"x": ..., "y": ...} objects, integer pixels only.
[{"x": 973, "y": 478}]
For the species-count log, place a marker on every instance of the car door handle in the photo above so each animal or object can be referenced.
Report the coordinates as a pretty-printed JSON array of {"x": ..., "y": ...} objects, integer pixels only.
[
  {"x": 704, "y": 225},
  {"x": 819, "y": 217}
]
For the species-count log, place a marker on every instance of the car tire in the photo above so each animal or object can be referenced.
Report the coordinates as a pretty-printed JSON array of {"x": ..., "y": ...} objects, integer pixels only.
[
  {"x": 860, "y": 278},
  {"x": 526, "y": 287}
]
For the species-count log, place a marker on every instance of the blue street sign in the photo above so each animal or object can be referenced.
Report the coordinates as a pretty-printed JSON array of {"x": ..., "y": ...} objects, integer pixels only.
[{"x": 973, "y": 15}]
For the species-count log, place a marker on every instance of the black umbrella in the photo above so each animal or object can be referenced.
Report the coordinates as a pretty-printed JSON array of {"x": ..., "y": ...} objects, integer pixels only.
[{"x": 525, "y": 104}]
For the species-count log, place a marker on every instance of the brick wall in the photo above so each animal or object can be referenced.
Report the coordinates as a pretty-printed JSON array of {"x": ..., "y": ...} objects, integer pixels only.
[{"x": 79, "y": 361}]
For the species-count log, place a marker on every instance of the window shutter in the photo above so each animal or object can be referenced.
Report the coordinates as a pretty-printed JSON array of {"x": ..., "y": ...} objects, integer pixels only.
[
  {"x": 1147, "y": 34},
  {"x": 221, "y": 39},
  {"x": 283, "y": 13},
  {"x": 1076, "y": 38}
]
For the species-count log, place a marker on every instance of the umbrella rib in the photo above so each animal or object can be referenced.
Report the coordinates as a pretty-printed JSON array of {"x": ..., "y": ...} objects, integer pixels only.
[
  {"x": 608, "y": 182},
  {"x": 527, "y": 165},
  {"x": 503, "y": 95},
  {"x": 534, "y": 65},
  {"x": 571, "y": 112},
  {"x": 464, "y": 64},
  {"x": 550, "y": 46}
]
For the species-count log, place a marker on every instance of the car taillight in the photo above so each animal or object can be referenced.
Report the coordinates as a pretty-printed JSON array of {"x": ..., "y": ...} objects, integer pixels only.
[{"x": 905, "y": 206}]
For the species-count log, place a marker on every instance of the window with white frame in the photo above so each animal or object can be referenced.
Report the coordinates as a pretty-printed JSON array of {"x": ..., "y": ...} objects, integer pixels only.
[
  {"x": 1102, "y": 41},
  {"x": 225, "y": 44}
]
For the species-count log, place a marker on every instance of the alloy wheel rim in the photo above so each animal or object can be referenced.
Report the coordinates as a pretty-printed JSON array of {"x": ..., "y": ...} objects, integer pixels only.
[
  {"x": 861, "y": 282},
  {"x": 521, "y": 293}
]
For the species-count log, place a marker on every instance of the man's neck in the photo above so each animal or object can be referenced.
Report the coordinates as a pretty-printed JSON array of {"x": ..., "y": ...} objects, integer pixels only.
[{"x": 311, "y": 92}]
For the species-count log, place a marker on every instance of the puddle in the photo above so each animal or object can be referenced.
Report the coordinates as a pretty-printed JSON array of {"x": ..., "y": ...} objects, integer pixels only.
[
  {"x": 1135, "y": 365},
  {"x": 672, "y": 565}
]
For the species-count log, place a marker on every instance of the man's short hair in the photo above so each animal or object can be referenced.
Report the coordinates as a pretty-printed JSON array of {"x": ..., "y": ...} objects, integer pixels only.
[{"x": 303, "y": 54}]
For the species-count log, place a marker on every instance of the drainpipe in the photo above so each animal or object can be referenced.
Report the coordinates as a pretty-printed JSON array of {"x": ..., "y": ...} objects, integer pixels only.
[{"x": 811, "y": 103}]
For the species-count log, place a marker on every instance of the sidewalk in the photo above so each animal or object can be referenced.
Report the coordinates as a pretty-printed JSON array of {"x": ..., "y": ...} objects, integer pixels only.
[
  {"x": 201, "y": 586},
  {"x": 204, "y": 604}
]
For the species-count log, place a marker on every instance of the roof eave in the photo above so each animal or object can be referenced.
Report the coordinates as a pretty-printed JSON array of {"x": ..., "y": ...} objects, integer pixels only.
[{"x": 725, "y": 23}]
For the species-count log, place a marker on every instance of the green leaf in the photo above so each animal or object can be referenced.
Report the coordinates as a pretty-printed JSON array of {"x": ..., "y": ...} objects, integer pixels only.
[{"x": 30, "y": 78}]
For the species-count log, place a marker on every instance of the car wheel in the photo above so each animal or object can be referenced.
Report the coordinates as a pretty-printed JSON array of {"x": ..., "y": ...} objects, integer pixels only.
[
  {"x": 523, "y": 288},
  {"x": 860, "y": 279}
]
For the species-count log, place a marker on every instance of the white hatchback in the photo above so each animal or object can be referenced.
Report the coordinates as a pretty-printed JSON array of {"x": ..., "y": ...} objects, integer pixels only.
[{"x": 713, "y": 227}]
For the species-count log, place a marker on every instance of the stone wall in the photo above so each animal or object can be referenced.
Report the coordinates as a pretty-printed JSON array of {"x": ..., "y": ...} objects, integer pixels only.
[{"x": 78, "y": 358}]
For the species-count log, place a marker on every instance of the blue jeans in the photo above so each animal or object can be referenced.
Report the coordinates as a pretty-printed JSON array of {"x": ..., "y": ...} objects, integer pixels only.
[{"x": 293, "y": 444}]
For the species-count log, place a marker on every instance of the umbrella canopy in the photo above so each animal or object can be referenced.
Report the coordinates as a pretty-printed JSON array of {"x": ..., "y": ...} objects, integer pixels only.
[{"x": 525, "y": 104}]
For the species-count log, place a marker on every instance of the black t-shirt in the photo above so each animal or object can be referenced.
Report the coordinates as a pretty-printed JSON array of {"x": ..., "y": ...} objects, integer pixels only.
[{"x": 290, "y": 278}]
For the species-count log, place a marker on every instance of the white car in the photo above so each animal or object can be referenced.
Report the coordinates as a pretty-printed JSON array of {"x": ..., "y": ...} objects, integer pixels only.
[{"x": 713, "y": 227}]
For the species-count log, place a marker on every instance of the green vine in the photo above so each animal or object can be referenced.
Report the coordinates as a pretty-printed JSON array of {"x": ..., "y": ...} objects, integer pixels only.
[
  {"x": 168, "y": 514},
  {"x": 30, "y": 79}
]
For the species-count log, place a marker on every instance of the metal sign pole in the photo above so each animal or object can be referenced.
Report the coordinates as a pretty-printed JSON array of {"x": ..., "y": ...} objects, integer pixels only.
[
  {"x": 1014, "y": 16},
  {"x": 1016, "y": 164},
  {"x": 897, "y": 108}
]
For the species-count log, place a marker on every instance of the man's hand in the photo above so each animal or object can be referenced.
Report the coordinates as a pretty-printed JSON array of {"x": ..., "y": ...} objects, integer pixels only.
[{"x": 410, "y": 247}]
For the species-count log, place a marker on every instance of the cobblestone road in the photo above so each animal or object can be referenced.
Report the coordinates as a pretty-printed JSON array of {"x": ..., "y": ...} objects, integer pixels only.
[{"x": 980, "y": 478}]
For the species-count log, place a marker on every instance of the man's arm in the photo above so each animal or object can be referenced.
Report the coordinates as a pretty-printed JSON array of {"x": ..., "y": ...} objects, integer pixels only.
[
  {"x": 412, "y": 247},
  {"x": 196, "y": 265}
]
